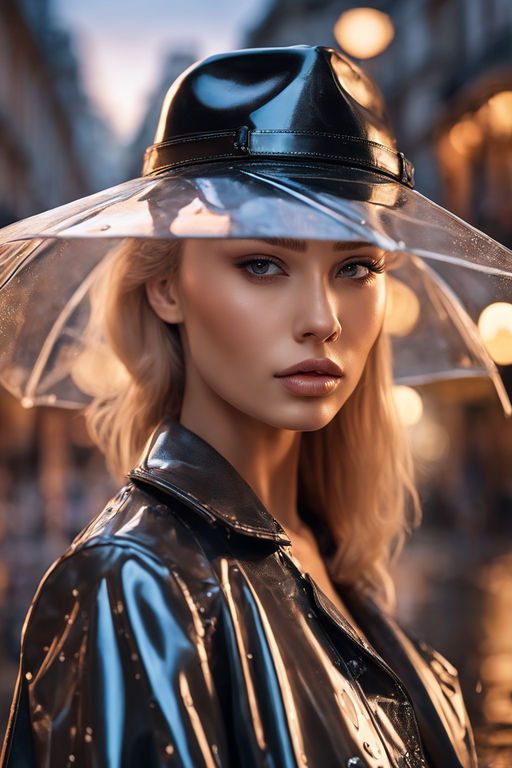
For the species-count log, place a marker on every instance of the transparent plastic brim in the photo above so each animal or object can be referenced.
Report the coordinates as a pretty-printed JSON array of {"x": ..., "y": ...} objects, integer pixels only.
[{"x": 49, "y": 262}]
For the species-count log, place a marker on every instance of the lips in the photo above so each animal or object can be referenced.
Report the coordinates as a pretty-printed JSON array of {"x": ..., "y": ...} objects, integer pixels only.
[{"x": 320, "y": 366}]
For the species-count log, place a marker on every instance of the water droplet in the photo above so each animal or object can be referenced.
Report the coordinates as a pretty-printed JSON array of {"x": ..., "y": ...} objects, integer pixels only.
[
  {"x": 71, "y": 758},
  {"x": 362, "y": 221},
  {"x": 134, "y": 657},
  {"x": 72, "y": 731},
  {"x": 354, "y": 762},
  {"x": 46, "y": 648},
  {"x": 88, "y": 738},
  {"x": 137, "y": 676},
  {"x": 75, "y": 592},
  {"x": 310, "y": 615},
  {"x": 28, "y": 676},
  {"x": 169, "y": 750},
  {"x": 235, "y": 569},
  {"x": 62, "y": 656},
  {"x": 88, "y": 730},
  {"x": 119, "y": 606},
  {"x": 208, "y": 594},
  {"x": 249, "y": 656}
]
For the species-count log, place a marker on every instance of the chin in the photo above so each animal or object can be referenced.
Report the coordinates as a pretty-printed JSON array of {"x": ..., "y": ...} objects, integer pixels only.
[{"x": 304, "y": 419}]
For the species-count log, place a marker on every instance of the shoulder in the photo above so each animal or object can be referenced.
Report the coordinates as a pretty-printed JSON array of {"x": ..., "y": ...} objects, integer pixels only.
[
  {"x": 123, "y": 622},
  {"x": 139, "y": 519},
  {"x": 139, "y": 564}
]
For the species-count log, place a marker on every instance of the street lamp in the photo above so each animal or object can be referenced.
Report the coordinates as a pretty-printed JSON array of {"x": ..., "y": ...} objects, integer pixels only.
[
  {"x": 364, "y": 32},
  {"x": 495, "y": 326}
]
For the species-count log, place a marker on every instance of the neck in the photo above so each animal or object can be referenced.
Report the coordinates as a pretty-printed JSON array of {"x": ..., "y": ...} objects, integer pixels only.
[{"x": 266, "y": 457}]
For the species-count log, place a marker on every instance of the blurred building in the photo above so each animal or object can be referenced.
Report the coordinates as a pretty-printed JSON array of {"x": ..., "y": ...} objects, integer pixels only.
[
  {"x": 50, "y": 153},
  {"x": 47, "y": 127}
]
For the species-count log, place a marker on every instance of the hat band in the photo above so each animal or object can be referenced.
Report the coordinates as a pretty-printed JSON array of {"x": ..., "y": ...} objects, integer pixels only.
[{"x": 244, "y": 143}]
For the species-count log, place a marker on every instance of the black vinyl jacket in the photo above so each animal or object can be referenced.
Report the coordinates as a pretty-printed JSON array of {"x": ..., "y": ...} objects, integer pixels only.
[{"x": 178, "y": 631}]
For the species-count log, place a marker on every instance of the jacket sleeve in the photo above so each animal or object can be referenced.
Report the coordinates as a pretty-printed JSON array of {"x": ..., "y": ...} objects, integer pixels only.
[{"x": 115, "y": 670}]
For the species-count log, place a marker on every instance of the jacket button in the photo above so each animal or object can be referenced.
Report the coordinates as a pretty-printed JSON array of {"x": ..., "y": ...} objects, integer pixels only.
[{"x": 372, "y": 751}]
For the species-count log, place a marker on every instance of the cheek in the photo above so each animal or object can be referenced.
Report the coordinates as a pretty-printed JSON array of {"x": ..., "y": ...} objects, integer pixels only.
[{"x": 219, "y": 326}]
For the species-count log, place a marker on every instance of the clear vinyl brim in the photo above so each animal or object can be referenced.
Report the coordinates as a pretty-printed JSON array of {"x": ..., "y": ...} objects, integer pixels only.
[{"x": 446, "y": 272}]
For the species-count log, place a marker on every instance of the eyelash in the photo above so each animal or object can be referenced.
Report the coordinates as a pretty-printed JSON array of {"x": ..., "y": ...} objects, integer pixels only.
[{"x": 374, "y": 266}]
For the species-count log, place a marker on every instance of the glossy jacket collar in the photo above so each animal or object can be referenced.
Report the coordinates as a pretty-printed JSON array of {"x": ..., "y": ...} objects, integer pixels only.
[{"x": 183, "y": 465}]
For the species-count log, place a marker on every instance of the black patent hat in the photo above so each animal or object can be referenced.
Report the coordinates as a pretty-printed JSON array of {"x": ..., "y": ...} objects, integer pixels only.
[
  {"x": 263, "y": 143},
  {"x": 301, "y": 103}
]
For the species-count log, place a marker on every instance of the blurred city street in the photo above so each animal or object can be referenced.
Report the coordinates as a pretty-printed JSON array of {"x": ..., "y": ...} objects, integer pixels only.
[{"x": 80, "y": 91}]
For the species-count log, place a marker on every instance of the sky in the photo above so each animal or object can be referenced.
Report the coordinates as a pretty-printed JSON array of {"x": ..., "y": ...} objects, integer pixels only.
[{"x": 121, "y": 44}]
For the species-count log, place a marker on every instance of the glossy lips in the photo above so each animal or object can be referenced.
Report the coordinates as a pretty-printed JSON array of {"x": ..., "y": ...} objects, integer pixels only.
[{"x": 311, "y": 378}]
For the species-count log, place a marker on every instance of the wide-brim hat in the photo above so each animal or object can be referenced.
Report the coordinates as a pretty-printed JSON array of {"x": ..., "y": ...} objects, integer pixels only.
[{"x": 258, "y": 143}]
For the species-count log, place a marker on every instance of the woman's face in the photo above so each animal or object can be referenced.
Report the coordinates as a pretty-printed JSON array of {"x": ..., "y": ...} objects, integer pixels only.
[{"x": 278, "y": 330}]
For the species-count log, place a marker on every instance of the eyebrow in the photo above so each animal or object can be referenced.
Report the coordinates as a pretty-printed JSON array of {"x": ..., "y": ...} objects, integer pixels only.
[
  {"x": 301, "y": 245},
  {"x": 285, "y": 242}
]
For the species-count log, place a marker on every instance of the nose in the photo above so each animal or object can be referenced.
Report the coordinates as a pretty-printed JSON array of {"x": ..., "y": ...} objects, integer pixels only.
[{"x": 318, "y": 314}]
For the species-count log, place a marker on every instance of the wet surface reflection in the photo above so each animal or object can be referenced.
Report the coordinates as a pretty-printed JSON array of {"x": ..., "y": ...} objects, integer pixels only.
[{"x": 455, "y": 592}]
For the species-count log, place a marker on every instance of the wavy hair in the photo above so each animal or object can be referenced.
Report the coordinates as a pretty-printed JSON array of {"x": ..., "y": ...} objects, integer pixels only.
[{"x": 356, "y": 473}]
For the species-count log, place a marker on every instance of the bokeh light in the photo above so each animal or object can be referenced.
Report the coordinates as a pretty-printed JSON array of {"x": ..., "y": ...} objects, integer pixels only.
[
  {"x": 430, "y": 441},
  {"x": 364, "y": 32},
  {"x": 409, "y": 404},
  {"x": 499, "y": 113},
  {"x": 495, "y": 326},
  {"x": 402, "y": 308},
  {"x": 466, "y": 135}
]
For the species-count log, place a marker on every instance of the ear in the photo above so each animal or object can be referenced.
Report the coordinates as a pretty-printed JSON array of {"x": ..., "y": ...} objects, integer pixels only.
[{"x": 163, "y": 296}]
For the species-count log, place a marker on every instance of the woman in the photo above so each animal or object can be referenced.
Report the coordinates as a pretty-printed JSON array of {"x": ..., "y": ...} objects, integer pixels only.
[{"x": 231, "y": 605}]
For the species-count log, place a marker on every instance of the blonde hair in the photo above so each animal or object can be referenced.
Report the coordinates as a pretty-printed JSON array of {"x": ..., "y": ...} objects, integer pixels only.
[
  {"x": 356, "y": 473},
  {"x": 132, "y": 363}
]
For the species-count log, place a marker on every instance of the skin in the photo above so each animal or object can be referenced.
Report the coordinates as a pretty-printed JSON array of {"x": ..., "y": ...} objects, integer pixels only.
[{"x": 243, "y": 319}]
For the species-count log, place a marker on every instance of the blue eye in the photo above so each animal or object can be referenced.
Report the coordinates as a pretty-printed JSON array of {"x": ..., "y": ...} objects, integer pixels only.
[
  {"x": 261, "y": 267},
  {"x": 363, "y": 271},
  {"x": 356, "y": 271}
]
